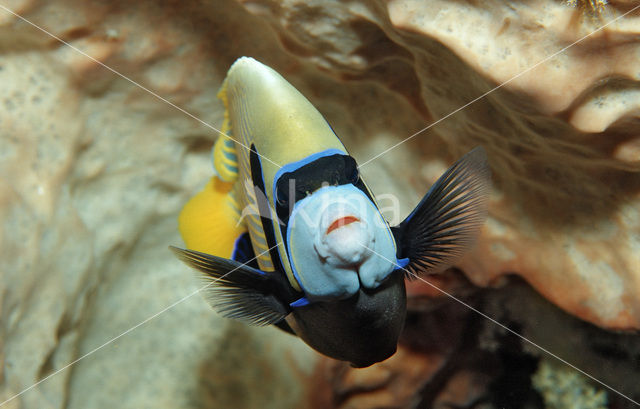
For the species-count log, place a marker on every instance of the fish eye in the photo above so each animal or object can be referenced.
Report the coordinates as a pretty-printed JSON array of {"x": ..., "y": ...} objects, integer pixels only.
[
  {"x": 350, "y": 172},
  {"x": 354, "y": 176},
  {"x": 281, "y": 197}
]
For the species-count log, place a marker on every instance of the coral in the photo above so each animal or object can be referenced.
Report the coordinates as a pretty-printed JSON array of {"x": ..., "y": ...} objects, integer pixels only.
[
  {"x": 592, "y": 5},
  {"x": 564, "y": 388},
  {"x": 452, "y": 357},
  {"x": 562, "y": 138}
]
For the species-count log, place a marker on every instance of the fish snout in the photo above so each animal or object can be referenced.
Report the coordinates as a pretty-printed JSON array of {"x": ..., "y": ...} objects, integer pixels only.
[{"x": 344, "y": 236}]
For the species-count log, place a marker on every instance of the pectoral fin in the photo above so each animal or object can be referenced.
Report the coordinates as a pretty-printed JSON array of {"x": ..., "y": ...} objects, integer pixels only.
[
  {"x": 448, "y": 219},
  {"x": 238, "y": 291}
]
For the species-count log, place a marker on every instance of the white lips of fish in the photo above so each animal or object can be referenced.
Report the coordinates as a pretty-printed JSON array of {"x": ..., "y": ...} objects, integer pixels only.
[
  {"x": 334, "y": 237},
  {"x": 343, "y": 238}
]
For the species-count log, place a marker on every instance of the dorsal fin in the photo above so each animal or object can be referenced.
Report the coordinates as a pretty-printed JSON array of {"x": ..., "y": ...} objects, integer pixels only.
[{"x": 225, "y": 159}]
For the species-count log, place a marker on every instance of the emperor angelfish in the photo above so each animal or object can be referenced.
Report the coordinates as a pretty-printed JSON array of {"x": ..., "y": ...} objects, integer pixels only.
[{"x": 288, "y": 233}]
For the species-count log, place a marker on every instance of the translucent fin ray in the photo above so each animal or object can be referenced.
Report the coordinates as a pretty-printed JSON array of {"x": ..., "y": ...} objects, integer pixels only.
[
  {"x": 446, "y": 222},
  {"x": 236, "y": 290}
]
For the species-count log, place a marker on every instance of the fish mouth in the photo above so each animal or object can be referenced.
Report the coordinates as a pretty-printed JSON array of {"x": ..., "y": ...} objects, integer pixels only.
[{"x": 341, "y": 222}]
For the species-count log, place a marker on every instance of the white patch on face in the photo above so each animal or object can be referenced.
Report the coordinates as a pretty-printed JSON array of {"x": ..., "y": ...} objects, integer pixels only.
[
  {"x": 343, "y": 238},
  {"x": 333, "y": 236}
]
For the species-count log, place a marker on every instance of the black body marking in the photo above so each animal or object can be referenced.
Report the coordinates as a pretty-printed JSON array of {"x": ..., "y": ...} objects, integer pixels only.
[
  {"x": 243, "y": 251},
  {"x": 267, "y": 225},
  {"x": 333, "y": 170},
  {"x": 363, "y": 329}
]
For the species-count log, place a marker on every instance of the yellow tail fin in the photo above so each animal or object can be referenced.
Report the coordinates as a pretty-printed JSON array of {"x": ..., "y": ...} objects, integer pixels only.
[{"x": 209, "y": 221}]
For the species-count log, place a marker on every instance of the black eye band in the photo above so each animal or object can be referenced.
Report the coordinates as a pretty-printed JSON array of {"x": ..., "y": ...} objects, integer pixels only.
[{"x": 331, "y": 170}]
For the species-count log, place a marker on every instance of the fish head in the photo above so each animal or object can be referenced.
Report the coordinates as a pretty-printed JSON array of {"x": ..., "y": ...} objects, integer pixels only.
[{"x": 338, "y": 242}]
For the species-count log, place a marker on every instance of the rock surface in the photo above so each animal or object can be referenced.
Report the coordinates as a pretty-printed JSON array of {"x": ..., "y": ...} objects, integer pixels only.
[
  {"x": 93, "y": 170},
  {"x": 452, "y": 357},
  {"x": 562, "y": 132}
]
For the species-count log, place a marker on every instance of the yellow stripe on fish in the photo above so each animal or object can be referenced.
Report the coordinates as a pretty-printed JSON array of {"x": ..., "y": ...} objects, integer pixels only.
[{"x": 225, "y": 160}]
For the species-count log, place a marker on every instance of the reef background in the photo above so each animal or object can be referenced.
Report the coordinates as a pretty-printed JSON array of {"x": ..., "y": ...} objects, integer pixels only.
[{"x": 94, "y": 169}]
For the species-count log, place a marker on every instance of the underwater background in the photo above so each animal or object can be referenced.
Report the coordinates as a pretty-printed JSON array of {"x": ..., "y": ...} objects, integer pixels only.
[{"x": 104, "y": 139}]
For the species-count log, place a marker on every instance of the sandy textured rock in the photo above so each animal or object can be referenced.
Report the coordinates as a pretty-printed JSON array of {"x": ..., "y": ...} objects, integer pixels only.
[
  {"x": 93, "y": 170},
  {"x": 451, "y": 357},
  {"x": 565, "y": 214}
]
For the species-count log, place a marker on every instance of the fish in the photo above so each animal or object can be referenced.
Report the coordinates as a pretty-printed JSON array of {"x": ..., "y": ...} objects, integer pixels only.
[{"x": 287, "y": 233}]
